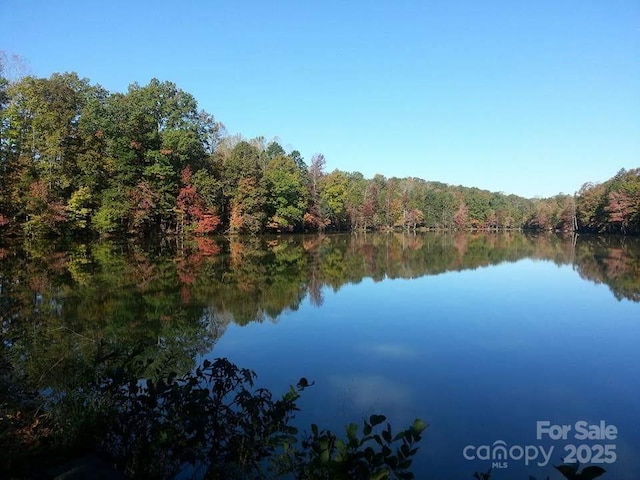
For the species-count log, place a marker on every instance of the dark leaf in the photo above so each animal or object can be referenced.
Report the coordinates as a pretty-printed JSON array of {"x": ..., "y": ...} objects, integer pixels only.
[
  {"x": 376, "y": 419},
  {"x": 589, "y": 473}
]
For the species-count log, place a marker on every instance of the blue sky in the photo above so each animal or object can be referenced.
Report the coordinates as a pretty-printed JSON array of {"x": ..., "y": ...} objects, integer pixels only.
[{"x": 525, "y": 97}]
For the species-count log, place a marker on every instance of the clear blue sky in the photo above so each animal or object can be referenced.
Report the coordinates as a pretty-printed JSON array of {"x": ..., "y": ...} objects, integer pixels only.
[{"x": 525, "y": 97}]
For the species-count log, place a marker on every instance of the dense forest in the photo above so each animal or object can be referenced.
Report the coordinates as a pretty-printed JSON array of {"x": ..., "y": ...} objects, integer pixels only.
[{"x": 76, "y": 159}]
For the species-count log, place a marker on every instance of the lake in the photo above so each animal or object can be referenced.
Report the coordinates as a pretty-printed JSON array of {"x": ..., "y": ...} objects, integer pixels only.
[{"x": 525, "y": 341}]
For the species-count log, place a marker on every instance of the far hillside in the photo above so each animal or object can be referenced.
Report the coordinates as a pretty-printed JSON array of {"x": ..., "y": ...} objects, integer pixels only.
[{"x": 76, "y": 159}]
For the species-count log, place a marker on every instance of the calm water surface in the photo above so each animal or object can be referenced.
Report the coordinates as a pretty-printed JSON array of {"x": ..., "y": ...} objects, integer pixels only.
[{"x": 480, "y": 335}]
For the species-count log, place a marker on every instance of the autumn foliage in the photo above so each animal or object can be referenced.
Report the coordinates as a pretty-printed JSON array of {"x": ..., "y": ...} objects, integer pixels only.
[
  {"x": 192, "y": 209},
  {"x": 77, "y": 159}
]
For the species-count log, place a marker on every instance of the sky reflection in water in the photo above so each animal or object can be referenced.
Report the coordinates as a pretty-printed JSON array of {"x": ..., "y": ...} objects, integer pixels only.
[{"x": 481, "y": 355}]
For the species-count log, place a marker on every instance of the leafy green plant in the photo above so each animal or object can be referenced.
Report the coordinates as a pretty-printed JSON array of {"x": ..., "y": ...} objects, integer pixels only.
[
  {"x": 212, "y": 419},
  {"x": 209, "y": 418},
  {"x": 376, "y": 454}
]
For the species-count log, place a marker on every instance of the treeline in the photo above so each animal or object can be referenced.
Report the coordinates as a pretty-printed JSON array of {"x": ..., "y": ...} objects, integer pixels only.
[{"x": 77, "y": 159}]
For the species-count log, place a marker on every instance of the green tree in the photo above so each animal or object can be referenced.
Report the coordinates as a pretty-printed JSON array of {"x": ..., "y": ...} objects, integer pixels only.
[
  {"x": 113, "y": 214},
  {"x": 248, "y": 207},
  {"x": 79, "y": 209},
  {"x": 333, "y": 198},
  {"x": 273, "y": 150},
  {"x": 286, "y": 193},
  {"x": 296, "y": 156}
]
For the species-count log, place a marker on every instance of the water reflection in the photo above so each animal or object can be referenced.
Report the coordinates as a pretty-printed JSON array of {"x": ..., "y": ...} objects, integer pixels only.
[
  {"x": 73, "y": 314},
  {"x": 67, "y": 308}
]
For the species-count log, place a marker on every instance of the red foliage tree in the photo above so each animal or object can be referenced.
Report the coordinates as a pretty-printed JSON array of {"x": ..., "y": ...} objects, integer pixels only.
[
  {"x": 461, "y": 216},
  {"x": 144, "y": 200},
  {"x": 208, "y": 223},
  {"x": 620, "y": 208},
  {"x": 43, "y": 208},
  {"x": 192, "y": 208}
]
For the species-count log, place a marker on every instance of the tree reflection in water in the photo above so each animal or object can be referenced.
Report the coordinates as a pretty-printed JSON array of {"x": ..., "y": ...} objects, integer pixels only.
[{"x": 76, "y": 319}]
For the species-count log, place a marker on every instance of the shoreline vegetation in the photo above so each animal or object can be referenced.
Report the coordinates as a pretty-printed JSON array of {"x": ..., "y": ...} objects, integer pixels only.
[
  {"x": 78, "y": 160},
  {"x": 211, "y": 423}
]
